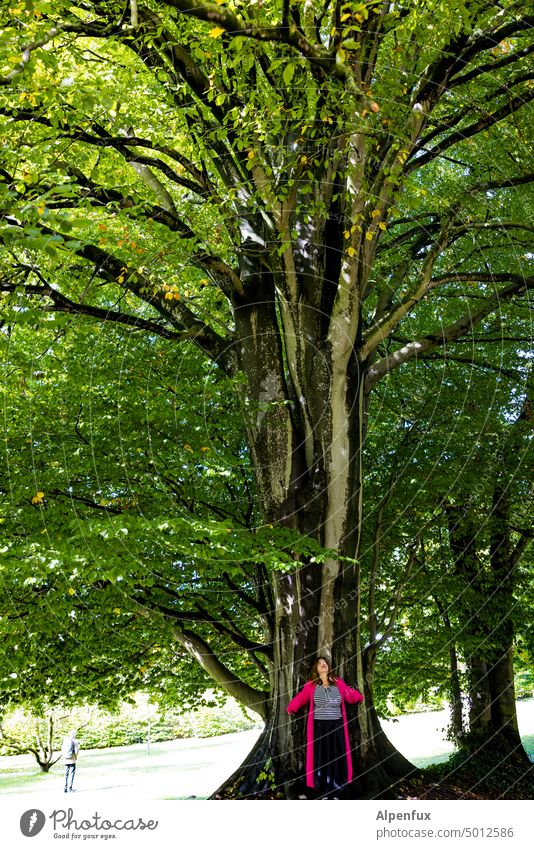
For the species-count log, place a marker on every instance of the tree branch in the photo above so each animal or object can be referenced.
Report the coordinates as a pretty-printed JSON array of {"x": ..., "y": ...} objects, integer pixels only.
[
  {"x": 388, "y": 322},
  {"x": 514, "y": 374},
  {"x": 491, "y": 67},
  {"x": 198, "y": 648},
  {"x": 495, "y": 185},
  {"x": 488, "y": 41},
  {"x": 234, "y": 633},
  {"x": 63, "y": 304},
  {"x": 450, "y": 121},
  {"x": 387, "y": 630},
  {"x": 248, "y": 599},
  {"x": 110, "y": 268},
  {"x": 479, "y": 126},
  {"x": 446, "y": 334},
  {"x": 290, "y": 35}
]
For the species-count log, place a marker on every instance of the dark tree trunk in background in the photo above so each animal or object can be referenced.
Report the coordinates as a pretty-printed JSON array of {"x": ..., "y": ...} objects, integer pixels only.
[
  {"x": 456, "y": 700},
  {"x": 503, "y": 715},
  {"x": 485, "y": 608}
]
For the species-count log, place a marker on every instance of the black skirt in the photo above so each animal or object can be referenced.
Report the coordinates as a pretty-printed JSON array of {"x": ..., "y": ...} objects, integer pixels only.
[{"x": 329, "y": 756}]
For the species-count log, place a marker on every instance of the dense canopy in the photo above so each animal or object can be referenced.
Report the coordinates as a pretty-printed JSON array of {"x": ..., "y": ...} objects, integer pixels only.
[{"x": 264, "y": 338}]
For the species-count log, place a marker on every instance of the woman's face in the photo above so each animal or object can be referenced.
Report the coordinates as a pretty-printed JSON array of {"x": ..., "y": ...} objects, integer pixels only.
[{"x": 322, "y": 666}]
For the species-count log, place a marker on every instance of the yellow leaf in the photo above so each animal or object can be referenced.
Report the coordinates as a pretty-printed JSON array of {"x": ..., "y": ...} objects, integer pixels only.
[
  {"x": 346, "y": 233},
  {"x": 382, "y": 225},
  {"x": 38, "y": 498},
  {"x": 375, "y": 213},
  {"x": 351, "y": 251},
  {"x": 169, "y": 296},
  {"x": 369, "y": 236},
  {"x": 71, "y": 591},
  {"x": 205, "y": 448},
  {"x": 116, "y": 610},
  {"x": 120, "y": 278},
  {"x": 304, "y": 159},
  {"x": 216, "y": 32},
  {"x": 176, "y": 296},
  {"x": 187, "y": 447},
  {"x": 250, "y": 154}
]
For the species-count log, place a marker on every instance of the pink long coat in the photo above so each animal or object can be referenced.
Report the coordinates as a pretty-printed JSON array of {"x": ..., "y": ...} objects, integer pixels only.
[{"x": 305, "y": 696}]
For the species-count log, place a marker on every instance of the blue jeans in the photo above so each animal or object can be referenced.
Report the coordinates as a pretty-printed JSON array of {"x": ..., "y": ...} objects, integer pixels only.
[{"x": 70, "y": 769}]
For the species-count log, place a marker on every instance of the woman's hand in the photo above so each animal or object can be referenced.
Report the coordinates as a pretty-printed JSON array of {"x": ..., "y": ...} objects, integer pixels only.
[{"x": 353, "y": 695}]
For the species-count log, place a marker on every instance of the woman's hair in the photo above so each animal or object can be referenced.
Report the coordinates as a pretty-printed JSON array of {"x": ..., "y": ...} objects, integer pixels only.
[{"x": 314, "y": 675}]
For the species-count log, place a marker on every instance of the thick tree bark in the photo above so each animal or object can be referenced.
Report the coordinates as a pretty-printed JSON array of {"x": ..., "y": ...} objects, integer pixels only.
[
  {"x": 485, "y": 613},
  {"x": 275, "y": 768},
  {"x": 305, "y": 427},
  {"x": 503, "y": 716}
]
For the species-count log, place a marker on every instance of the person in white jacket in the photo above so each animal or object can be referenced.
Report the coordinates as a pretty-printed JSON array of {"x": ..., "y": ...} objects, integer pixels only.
[{"x": 69, "y": 752}]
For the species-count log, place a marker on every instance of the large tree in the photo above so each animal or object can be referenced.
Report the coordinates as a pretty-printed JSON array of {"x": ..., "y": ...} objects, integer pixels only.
[{"x": 313, "y": 195}]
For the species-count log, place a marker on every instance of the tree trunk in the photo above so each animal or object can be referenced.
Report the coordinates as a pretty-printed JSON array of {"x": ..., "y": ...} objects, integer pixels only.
[
  {"x": 275, "y": 768},
  {"x": 456, "y": 703},
  {"x": 492, "y": 710},
  {"x": 303, "y": 406},
  {"x": 479, "y": 698},
  {"x": 317, "y": 607},
  {"x": 503, "y": 710},
  {"x": 456, "y": 727}
]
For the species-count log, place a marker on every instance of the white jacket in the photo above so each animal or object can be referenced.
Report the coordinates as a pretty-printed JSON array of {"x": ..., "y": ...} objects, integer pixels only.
[{"x": 70, "y": 749}]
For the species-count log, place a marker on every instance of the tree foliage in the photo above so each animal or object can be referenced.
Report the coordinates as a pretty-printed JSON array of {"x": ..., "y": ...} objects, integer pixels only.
[{"x": 233, "y": 235}]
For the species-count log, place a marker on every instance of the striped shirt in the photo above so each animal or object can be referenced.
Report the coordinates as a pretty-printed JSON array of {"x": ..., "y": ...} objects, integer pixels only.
[{"x": 326, "y": 702}]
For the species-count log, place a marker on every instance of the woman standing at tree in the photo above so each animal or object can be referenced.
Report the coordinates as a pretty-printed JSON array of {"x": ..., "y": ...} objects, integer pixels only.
[{"x": 328, "y": 757}]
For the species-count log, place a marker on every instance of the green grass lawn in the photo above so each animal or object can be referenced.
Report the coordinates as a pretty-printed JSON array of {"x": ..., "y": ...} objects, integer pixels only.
[
  {"x": 421, "y": 736},
  {"x": 180, "y": 769},
  {"x": 177, "y": 769}
]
